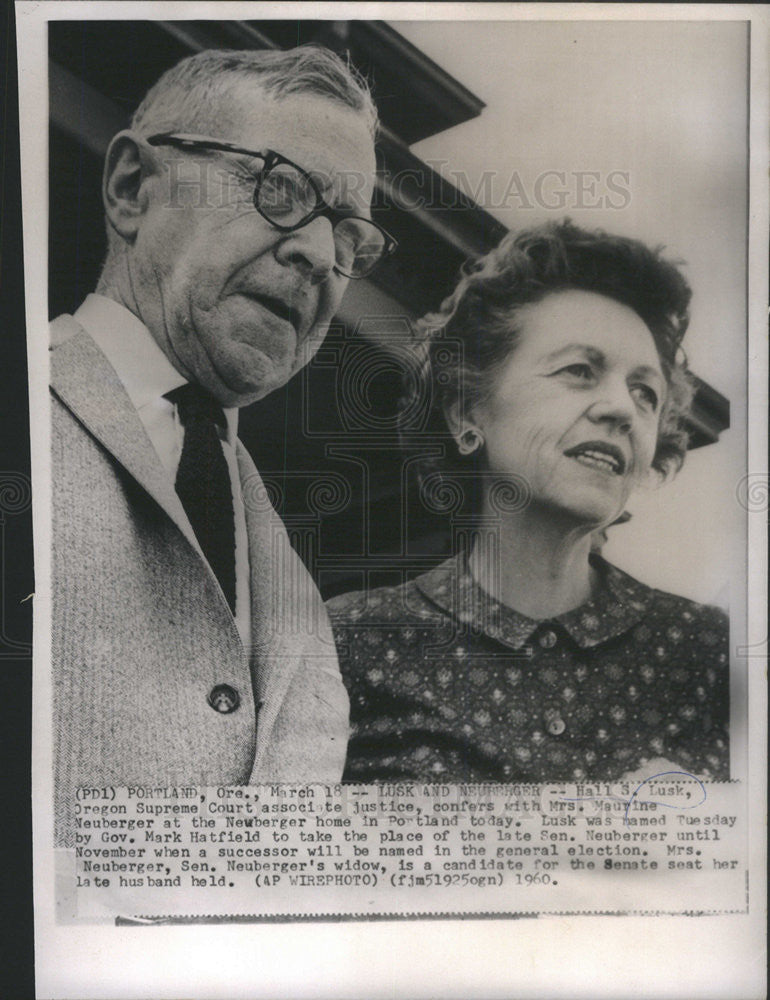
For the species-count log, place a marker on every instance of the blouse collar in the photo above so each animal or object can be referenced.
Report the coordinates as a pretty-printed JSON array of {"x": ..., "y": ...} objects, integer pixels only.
[{"x": 619, "y": 604}]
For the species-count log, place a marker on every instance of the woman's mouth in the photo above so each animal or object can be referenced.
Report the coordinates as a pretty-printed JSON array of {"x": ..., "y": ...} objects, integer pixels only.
[{"x": 599, "y": 455}]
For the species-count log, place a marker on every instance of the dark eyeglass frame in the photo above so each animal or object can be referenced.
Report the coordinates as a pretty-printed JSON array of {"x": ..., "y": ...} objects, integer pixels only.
[{"x": 272, "y": 159}]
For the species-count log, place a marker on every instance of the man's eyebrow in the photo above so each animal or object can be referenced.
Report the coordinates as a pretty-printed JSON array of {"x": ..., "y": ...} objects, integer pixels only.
[
  {"x": 248, "y": 159},
  {"x": 244, "y": 163}
]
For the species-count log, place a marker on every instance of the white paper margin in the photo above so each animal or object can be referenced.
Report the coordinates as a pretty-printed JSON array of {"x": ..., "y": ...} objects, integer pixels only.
[{"x": 572, "y": 957}]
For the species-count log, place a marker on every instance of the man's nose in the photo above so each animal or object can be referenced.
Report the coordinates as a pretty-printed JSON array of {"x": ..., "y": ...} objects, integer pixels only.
[
  {"x": 309, "y": 248},
  {"x": 614, "y": 405}
]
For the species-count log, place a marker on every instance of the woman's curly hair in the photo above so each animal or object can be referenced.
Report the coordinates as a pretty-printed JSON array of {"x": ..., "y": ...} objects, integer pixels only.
[{"x": 462, "y": 346}]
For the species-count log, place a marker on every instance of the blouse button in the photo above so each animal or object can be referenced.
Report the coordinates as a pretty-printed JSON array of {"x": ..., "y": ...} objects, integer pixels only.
[
  {"x": 547, "y": 639},
  {"x": 557, "y": 726}
]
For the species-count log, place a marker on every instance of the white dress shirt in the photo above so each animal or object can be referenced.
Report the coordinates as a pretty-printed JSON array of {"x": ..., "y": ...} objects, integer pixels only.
[{"x": 147, "y": 375}]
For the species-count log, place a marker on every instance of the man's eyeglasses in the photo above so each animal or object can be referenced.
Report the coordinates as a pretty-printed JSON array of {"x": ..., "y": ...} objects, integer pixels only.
[{"x": 289, "y": 198}]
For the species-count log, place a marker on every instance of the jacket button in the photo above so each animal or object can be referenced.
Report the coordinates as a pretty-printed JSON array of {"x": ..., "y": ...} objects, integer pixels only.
[{"x": 224, "y": 699}]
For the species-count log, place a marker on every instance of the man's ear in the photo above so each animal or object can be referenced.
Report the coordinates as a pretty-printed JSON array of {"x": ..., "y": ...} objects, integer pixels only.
[{"x": 128, "y": 167}]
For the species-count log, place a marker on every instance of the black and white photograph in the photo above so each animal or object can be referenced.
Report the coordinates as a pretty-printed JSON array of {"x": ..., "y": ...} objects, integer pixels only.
[{"x": 398, "y": 399}]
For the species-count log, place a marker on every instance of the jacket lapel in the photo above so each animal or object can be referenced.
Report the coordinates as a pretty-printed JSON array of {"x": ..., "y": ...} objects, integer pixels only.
[
  {"x": 87, "y": 384},
  {"x": 280, "y": 589}
]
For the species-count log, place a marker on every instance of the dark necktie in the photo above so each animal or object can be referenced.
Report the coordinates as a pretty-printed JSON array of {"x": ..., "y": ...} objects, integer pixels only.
[{"x": 203, "y": 482}]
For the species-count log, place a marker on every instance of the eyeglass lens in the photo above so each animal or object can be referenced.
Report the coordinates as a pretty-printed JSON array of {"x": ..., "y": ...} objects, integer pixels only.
[{"x": 286, "y": 196}]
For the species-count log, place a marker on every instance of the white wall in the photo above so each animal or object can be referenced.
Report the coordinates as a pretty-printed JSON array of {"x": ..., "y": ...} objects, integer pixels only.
[{"x": 664, "y": 103}]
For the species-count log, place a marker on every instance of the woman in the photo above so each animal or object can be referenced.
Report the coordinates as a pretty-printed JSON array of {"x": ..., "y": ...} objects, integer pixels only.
[{"x": 528, "y": 656}]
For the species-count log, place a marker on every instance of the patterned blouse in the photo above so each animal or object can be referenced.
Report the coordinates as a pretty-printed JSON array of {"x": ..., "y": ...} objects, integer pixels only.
[{"x": 447, "y": 684}]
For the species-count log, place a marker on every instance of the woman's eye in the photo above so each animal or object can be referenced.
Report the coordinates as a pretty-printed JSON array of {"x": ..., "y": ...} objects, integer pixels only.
[
  {"x": 578, "y": 370},
  {"x": 647, "y": 396}
]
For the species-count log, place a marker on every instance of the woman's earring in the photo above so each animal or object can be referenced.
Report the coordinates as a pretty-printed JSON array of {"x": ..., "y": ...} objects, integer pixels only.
[{"x": 469, "y": 441}]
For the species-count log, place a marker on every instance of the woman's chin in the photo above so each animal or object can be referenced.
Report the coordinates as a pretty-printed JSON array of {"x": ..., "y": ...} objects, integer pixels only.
[
  {"x": 596, "y": 508},
  {"x": 588, "y": 512}
]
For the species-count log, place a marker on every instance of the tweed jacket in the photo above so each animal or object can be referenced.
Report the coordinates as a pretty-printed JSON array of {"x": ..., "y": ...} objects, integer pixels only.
[{"x": 142, "y": 633}]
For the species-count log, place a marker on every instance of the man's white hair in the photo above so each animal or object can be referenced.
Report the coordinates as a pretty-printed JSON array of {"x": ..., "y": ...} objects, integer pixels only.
[{"x": 189, "y": 96}]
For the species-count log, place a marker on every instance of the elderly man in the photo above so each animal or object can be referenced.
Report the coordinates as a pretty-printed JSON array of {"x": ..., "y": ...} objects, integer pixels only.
[{"x": 189, "y": 642}]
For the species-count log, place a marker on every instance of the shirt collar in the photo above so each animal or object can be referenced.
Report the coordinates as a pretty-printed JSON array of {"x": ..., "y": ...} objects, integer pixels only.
[
  {"x": 619, "y": 604},
  {"x": 143, "y": 369}
]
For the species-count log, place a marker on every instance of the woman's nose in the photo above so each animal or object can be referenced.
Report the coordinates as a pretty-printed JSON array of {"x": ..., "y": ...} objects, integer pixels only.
[
  {"x": 614, "y": 405},
  {"x": 310, "y": 248}
]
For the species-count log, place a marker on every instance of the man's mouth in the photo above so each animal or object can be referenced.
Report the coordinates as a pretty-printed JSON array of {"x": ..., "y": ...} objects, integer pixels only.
[
  {"x": 599, "y": 455},
  {"x": 277, "y": 306}
]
